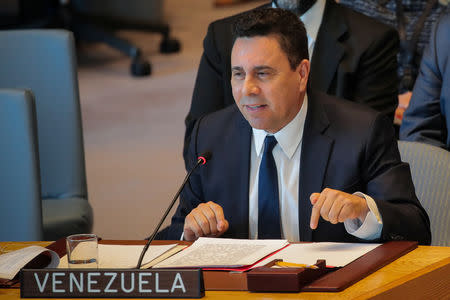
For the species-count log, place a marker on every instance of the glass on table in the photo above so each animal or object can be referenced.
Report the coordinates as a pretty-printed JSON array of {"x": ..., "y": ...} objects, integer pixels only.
[{"x": 82, "y": 251}]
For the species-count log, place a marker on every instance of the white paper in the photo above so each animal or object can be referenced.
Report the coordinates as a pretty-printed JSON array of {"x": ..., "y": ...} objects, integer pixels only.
[
  {"x": 335, "y": 254},
  {"x": 222, "y": 253},
  {"x": 123, "y": 256},
  {"x": 12, "y": 262}
]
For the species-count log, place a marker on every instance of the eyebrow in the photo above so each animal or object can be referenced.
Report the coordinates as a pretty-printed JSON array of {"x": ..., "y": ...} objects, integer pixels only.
[
  {"x": 263, "y": 67},
  {"x": 257, "y": 68}
]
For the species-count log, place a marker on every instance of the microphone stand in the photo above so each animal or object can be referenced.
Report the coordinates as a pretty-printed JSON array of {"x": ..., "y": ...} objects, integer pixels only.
[{"x": 201, "y": 161}]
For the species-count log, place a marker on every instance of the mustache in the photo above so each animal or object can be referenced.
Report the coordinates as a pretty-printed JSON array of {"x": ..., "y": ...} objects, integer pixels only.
[{"x": 252, "y": 101}]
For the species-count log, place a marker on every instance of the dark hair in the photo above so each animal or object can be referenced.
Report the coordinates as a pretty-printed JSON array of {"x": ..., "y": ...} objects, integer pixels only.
[{"x": 285, "y": 25}]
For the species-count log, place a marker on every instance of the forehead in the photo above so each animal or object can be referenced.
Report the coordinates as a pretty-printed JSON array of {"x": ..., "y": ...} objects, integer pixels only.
[{"x": 257, "y": 50}]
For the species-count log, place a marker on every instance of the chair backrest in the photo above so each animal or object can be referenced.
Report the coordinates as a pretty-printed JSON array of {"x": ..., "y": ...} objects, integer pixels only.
[
  {"x": 430, "y": 169},
  {"x": 43, "y": 61},
  {"x": 20, "y": 200}
]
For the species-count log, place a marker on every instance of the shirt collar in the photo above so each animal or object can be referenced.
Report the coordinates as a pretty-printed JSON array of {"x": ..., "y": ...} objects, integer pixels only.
[
  {"x": 289, "y": 137},
  {"x": 312, "y": 20}
]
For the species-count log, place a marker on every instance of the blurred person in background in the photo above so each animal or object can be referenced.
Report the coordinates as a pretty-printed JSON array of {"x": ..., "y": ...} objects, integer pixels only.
[
  {"x": 414, "y": 20},
  {"x": 427, "y": 119}
]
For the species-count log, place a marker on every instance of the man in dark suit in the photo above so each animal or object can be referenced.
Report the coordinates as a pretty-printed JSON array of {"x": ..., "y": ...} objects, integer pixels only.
[
  {"x": 427, "y": 119},
  {"x": 353, "y": 57},
  {"x": 286, "y": 163}
]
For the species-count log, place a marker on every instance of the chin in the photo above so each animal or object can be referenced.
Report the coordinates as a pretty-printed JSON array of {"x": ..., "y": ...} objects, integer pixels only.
[{"x": 258, "y": 125}]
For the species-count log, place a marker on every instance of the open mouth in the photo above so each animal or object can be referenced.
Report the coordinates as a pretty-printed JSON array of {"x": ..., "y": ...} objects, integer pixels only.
[{"x": 255, "y": 107}]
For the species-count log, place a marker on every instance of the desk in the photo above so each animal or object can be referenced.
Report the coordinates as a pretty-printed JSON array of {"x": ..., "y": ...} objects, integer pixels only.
[{"x": 423, "y": 273}]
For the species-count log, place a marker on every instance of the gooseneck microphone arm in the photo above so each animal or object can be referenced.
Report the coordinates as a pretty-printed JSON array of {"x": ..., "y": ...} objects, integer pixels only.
[{"x": 202, "y": 159}]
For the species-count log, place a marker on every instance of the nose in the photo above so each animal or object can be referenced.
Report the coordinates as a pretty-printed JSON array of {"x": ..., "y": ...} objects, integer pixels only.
[{"x": 250, "y": 87}]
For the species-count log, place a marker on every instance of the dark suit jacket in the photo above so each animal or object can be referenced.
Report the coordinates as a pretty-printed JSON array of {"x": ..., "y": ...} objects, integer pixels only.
[
  {"x": 427, "y": 118},
  {"x": 345, "y": 146},
  {"x": 354, "y": 58}
]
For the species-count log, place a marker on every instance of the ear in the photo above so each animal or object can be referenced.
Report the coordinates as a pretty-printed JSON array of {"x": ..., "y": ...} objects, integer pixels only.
[{"x": 303, "y": 71}]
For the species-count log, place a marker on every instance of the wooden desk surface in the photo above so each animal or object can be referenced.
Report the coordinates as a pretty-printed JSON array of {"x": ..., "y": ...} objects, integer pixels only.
[{"x": 423, "y": 273}]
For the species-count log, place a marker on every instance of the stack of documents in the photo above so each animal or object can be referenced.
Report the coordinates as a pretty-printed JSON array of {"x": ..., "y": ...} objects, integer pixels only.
[
  {"x": 242, "y": 255},
  {"x": 208, "y": 253},
  {"x": 12, "y": 262}
]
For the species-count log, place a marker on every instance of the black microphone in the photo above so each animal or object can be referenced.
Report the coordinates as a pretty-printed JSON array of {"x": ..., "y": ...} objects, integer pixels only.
[{"x": 201, "y": 160}]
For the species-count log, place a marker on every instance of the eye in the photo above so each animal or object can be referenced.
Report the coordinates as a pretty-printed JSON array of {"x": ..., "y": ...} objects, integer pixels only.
[
  {"x": 264, "y": 73},
  {"x": 238, "y": 74}
]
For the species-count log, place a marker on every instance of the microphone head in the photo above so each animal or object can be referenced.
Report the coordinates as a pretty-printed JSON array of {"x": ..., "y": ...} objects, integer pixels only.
[{"x": 204, "y": 157}]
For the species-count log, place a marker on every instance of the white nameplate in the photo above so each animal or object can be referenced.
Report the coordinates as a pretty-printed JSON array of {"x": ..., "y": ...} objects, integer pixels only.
[{"x": 111, "y": 283}]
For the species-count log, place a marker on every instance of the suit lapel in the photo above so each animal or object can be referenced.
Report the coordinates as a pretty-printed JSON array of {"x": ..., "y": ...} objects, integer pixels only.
[
  {"x": 316, "y": 148},
  {"x": 328, "y": 49},
  {"x": 243, "y": 142}
]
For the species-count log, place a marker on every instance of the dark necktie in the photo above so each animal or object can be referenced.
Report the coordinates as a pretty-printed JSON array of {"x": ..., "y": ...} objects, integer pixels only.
[{"x": 268, "y": 205}]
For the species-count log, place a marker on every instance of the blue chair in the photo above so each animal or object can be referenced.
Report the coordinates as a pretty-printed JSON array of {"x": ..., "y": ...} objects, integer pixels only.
[
  {"x": 430, "y": 170},
  {"x": 20, "y": 199},
  {"x": 43, "y": 61}
]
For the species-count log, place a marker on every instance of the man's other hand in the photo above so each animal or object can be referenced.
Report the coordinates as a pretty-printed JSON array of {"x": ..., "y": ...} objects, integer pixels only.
[
  {"x": 335, "y": 206},
  {"x": 207, "y": 219}
]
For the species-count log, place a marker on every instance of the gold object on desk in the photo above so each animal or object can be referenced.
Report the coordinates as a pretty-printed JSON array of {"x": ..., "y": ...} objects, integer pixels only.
[{"x": 294, "y": 265}]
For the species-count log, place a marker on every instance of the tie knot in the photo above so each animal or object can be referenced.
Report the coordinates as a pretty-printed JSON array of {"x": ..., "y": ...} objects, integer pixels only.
[{"x": 269, "y": 143}]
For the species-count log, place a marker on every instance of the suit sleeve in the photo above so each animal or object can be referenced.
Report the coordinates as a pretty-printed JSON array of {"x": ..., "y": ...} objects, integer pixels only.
[
  {"x": 376, "y": 79},
  {"x": 208, "y": 95},
  {"x": 390, "y": 184},
  {"x": 423, "y": 120}
]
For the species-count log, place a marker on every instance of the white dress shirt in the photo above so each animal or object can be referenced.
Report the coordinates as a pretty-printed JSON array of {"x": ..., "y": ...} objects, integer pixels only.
[
  {"x": 312, "y": 20},
  {"x": 287, "y": 155}
]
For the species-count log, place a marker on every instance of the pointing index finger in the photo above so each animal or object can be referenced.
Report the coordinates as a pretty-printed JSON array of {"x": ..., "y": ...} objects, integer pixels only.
[{"x": 319, "y": 198}]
